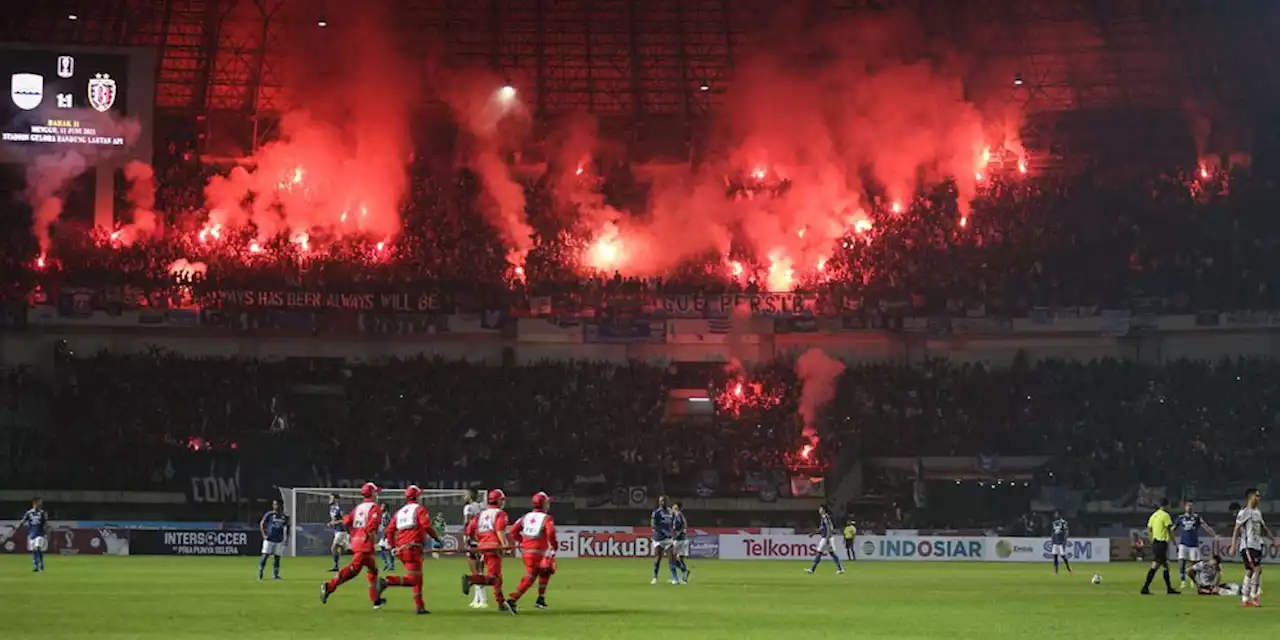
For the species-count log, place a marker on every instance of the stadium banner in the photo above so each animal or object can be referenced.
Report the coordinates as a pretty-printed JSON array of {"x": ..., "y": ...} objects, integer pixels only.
[
  {"x": 700, "y": 305},
  {"x": 65, "y": 540},
  {"x": 188, "y": 542},
  {"x": 704, "y": 546},
  {"x": 613, "y": 545},
  {"x": 1040, "y": 550},
  {"x": 419, "y": 301},
  {"x": 621, "y": 330},
  {"x": 874, "y": 547}
]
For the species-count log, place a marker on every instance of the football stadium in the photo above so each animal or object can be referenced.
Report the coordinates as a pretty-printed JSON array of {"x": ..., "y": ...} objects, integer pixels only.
[{"x": 607, "y": 318}]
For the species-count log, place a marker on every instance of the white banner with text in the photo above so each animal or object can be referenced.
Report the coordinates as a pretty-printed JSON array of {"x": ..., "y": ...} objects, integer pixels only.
[{"x": 911, "y": 548}]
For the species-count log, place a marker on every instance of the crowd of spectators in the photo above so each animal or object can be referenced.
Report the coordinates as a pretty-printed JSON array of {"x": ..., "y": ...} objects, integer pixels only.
[
  {"x": 1106, "y": 426},
  {"x": 1192, "y": 240}
]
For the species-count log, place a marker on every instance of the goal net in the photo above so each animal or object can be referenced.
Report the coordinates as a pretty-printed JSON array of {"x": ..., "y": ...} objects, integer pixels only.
[{"x": 308, "y": 510}]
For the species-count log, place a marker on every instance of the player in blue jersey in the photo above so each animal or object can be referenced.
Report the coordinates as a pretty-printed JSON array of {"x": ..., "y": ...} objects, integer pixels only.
[
  {"x": 36, "y": 520},
  {"x": 1188, "y": 525},
  {"x": 341, "y": 539},
  {"x": 826, "y": 533},
  {"x": 1058, "y": 541},
  {"x": 680, "y": 533},
  {"x": 384, "y": 546},
  {"x": 660, "y": 520},
  {"x": 274, "y": 526}
]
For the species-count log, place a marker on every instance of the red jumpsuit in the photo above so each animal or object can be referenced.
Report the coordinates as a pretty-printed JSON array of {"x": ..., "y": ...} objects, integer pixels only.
[
  {"x": 484, "y": 528},
  {"x": 363, "y": 523},
  {"x": 406, "y": 533},
  {"x": 535, "y": 532}
]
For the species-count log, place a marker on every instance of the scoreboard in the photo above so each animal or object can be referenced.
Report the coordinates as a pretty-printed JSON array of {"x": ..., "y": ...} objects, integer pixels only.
[{"x": 95, "y": 100}]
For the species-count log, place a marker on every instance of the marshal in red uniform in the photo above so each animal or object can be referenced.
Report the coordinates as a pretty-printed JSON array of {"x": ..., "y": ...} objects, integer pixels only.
[
  {"x": 363, "y": 523},
  {"x": 406, "y": 533},
  {"x": 535, "y": 533},
  {"x": 490, "y": 532}
]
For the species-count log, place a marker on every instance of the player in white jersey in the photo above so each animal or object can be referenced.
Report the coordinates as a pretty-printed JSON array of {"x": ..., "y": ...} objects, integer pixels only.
[
  {"x": 1249, "y": 532},
  {"x": 471, "y": 509}
]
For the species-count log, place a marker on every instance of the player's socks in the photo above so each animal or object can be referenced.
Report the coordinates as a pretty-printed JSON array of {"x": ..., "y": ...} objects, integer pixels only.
[
  {"x": 35, "y": 560},
  {"x": 262, "y": 566},
  {"x": 1055, "y": 563},
  {"x": 657, "y": 564},
  {"x": 836, "y": 559},
  {"x": 1182, "y": 571},
  {"x": 336, "y": 558},
  {"x": 1168, "y": 586},
  {"x": 1151, "y": 575},
  {"x": 1067, "y": 562},
  {"x": 817, "y": 559},
  {"x": 675, "y": 577},
  {"x": 275, "y": 567}
]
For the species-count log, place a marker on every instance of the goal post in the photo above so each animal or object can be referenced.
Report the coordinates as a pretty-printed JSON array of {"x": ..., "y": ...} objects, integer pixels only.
[{"x": 308, "y": 511}]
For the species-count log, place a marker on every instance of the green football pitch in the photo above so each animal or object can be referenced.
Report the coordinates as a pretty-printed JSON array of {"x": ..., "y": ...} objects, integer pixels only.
[{"x": 153, "y": 597}]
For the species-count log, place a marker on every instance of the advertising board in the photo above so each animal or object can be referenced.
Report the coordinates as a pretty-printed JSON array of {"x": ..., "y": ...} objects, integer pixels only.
[
  {"x": 188, "y": 542},
  {"x": 1040, "y": 550},
  {"x": 68, "y": 540}
]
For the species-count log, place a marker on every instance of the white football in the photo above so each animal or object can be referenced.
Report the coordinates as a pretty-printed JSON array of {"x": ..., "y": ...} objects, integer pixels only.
[{"x": 1097, "y": 579}]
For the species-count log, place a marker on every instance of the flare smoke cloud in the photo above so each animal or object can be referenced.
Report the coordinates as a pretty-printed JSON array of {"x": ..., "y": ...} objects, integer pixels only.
[{"x": 819, "y": 374}]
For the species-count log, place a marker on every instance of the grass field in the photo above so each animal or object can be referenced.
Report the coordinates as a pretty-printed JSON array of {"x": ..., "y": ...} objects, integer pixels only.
[{"x": 132, "y": 597}]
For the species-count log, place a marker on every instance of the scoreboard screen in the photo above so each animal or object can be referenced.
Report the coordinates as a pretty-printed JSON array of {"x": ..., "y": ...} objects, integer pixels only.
[{"x": 65, "y": 98}]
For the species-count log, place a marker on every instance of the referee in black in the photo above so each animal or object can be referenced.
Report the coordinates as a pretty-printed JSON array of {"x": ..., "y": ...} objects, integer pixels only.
[{"x": 1160, "y": 528}]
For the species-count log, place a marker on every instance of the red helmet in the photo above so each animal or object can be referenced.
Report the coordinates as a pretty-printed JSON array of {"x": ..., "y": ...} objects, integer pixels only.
[
  {"x": 369, "y": 490},
  {"x": 496, "y": 496},
  {"x": 412, "y": 492},
  {"x": 540, "y": 500}
]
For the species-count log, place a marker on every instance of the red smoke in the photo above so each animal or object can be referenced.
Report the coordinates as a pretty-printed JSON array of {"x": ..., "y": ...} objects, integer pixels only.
[
  {"x": 819, "y": 374},
  {"x": 876, "y": 114},
  {"x": 338, "y": 166}
]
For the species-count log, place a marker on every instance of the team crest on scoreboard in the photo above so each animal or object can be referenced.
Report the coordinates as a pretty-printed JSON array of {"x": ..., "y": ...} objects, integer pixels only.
[
  {"x": 102, "y": 92},
  {"x": 27, "y": 90}
]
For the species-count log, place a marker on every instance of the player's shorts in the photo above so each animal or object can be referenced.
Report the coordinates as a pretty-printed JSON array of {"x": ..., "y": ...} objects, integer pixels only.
[
  {"x": 1252, "y": 558},
  {"x": 38, "y": 543},
  {"x": 1189, "y": 552},
  {"x": 341, "y": 539},
  {"x": 1160, "y": 551},
  {"x": 1058, "y": 550},
  {"x": 272, "y": 548},
  {"x": 682, "y": 548},
  {"x": 663, "y": 545},
  {"x": 825, "y": 546}
]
